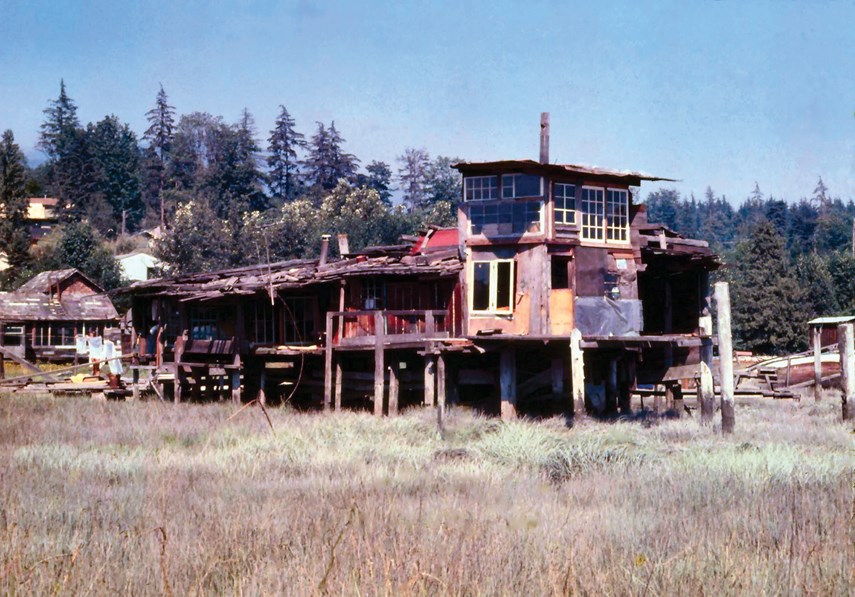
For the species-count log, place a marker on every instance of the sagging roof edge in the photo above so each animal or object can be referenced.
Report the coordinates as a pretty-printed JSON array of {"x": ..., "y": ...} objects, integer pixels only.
[{"x": 631, "y": 177}]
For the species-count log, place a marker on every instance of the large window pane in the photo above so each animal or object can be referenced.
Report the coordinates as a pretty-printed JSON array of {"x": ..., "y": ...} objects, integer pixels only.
[
  {"x": 521, "y": 185},
  {"x": 503, "y": 285},
  {"x": 481, "y": 287}
]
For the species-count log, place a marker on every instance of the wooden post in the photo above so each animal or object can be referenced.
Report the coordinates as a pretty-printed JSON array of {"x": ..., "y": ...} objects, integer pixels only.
[
  {"x": 262, "y": 381},
  {"x": 135, "y": 375},
  {"x": 3, "y": 354},
  {"x": 379, "y": 367},
  {"x": 577, "y": 372},
  {"x": 725, "y": 352},
  {"x": 657, "y": 398},
  {"x": 846, "y": 346},
  {"x": 178, "y": 369},
  {"x": 236, "y": 381},
  {"x": 816, "y": 337},
  {"x": 612, "y": 386},
  {"x": 508, "y": 382},
  {"x": 675, "y": 398},
  {"x": 339, "y": 378},
  {"x": 328, "y": 362},
  {"x": 627, "y": 384},
  {"x": 430, "y": 380},
  {"x": 557, "y": 379},
  {"x": 706, "y": 394},
  {"x": 440, "y": 390},
  {"x": 394, "y": 385}
]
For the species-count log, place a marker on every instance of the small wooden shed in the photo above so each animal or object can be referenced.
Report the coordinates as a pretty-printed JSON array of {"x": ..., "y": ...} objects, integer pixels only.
[{"x": 826, "y": 327}]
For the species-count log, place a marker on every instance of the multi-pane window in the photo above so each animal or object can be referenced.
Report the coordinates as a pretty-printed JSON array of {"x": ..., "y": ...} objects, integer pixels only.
[
  {"x": 605, "y": 215},
  {"x": 204, "y": 323},
  {"x": 493, "y": 286},
  {"x": 299, "y": 319},
  {"x": 593, "y": 210},
  {"x": 13, "y": 335},
  {"x": 521, "y": 185},
  {"x": 260, "y": 323},
  {"x": 373, "y": 293},
  {"x": 505, "y": 218},
  {"x": 617, "y": 215},
  {"x": 481, "y": 188},
  {"x": 564, "y": 198}
]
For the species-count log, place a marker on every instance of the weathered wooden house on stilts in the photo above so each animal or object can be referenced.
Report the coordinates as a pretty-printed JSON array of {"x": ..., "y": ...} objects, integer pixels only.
[{"x": 553, "y": 295}]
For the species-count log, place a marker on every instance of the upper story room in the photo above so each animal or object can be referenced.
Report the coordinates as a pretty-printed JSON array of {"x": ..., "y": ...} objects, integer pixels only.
[{"x": 514, "y": 201}]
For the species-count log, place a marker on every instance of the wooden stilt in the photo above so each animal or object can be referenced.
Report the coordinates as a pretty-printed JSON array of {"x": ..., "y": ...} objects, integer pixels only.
[
  {"x": 440, "y": 390},
  {"x": 508, "y": 383},
  {"x": 262, "y": 382},
  {"x": 725, "y": 351},
  {"x": 674, "y": 395},
  {"x": 816, "y": 337},
  {"x": 379, "y": 366},
  {"x": 846, "y": 346},
  {"x": 236, "y": 390},
  {"x": 577, "y": 372},
  {"x": 657, "y": 398},
  {"x": 430, "y": 380},
  {"x": 626, "y": 385},
  {"x": 557, "y": 372},
  {"x": 394, "y": 384},
  {"x": 339, "y": 378},
  {"x": 328, "y": 363},
  {"x": 706, "y": 394},
  {"x": 612, "y": 386}
]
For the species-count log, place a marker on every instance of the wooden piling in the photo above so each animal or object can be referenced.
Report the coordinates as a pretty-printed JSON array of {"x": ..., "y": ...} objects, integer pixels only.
[
  {"x": 846, "y": 346},
  {"x": 440, "y": 390},
  {"x": 706, "y": 394},
  {"x": 328, "y": 363},
  {"x": 379, "y": 365},
  {"x": 394, "y": 385},
  {"x": 262, "y": 381},
  {"x": 508, "y": 382},
  {"x": 577, "y": 372},
  {"x": 430, "y": 380},
  {"x": 339, "y": 377},
  {"x": 235, "y": 381},
  {"x": 816, "y": 338},
  {"x": 725, "y": 351}
]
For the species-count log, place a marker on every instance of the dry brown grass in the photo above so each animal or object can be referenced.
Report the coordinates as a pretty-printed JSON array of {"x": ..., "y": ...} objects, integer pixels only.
[{"x": 147, "y": 498}]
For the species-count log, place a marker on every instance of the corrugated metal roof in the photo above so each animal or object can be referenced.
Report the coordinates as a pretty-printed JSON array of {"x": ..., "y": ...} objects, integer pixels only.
[
  {"x": 832, "y": 319},
  {"x": 629, "y": 176},
  {"x": 35, "y": 306}
]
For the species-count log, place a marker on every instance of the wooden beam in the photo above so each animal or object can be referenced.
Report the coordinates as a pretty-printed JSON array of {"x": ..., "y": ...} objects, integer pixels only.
[
  {"x": 577, "y": 372},
  {"x": 508, "y": 382},
  {"x": 725, "y": 351},
  {"x": 846, "y": 346},
  {"x": 379, "y": 365},
  {"x": 328, "y": 363},
  {"x": 430, "y": 380},
  {"x": 394, "y": 385},
  {"x": 816, "y": 337}
]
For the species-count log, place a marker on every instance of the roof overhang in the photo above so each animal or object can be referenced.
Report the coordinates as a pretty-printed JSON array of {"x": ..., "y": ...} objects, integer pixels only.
[{"x": 628, "y": 177}]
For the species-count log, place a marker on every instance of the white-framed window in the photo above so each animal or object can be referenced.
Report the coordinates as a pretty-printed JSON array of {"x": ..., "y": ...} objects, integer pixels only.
[
  {"x": 492, "y": 288},
  {"x": 592, "y": 209},
  {"x": 564, "y": 199},
  {"x": 617, "y": 215},
  {"x": 480, "y": 188},
  {"x": 605, "y": 215},
  {"x": 515, "y": 186}
]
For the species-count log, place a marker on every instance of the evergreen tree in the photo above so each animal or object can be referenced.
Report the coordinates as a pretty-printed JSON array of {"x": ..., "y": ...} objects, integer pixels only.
[
  {"x": 327, "y": 161},
  {"x": 159, "y": 134},
  {"x": 444, "y": 183},
  {"x": 116, "y": 154},
  {"x": 14, "y": 233},
  {"x": 379, "y": 178},
  {"x": 63, "y": 141},
  {"x": 413, "y": 176},
  {"x": 768, "y": 302},
  {"x": 814, "y": 277},
  {"x": 662, "y": 206},
  {"x": 282, "y": 160},
  {"x": 249, "y": 179}
]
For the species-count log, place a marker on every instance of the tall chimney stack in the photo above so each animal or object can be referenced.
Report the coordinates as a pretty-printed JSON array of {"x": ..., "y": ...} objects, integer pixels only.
[
  {"x": 544, "y": 137},
  {"x": 325, "y": 247}
]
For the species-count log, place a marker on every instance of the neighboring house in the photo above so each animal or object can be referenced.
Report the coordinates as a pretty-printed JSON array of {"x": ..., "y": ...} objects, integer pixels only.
[
  {"x": 137, "y": 265},
  {"x": 41, "y": 216},
  {"x": 41, "y": 318},
  {"x": 550, "y": 265}
]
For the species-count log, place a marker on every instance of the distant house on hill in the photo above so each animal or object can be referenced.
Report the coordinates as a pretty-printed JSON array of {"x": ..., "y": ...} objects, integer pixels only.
[
  {"x": 138, "y": 265},
  {"x": 41, "y": 318},
  {"x": 41, "y": 216}
]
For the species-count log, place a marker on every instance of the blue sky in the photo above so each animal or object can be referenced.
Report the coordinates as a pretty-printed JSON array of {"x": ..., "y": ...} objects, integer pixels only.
[{"x": 713, "y": 93}]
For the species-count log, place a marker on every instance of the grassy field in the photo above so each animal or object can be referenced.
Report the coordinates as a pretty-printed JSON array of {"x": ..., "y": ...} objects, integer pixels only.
[{"x": 149, "y": 498}]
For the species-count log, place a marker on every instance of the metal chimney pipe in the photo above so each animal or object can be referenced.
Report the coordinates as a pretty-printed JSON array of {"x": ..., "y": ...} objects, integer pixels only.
[
  {"x": 325, "y": 247},
  {"x": 544, "y": 137}
]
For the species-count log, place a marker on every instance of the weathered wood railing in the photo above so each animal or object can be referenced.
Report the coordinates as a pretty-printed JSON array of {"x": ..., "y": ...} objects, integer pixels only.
[{"x": 362, "y": 327}]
